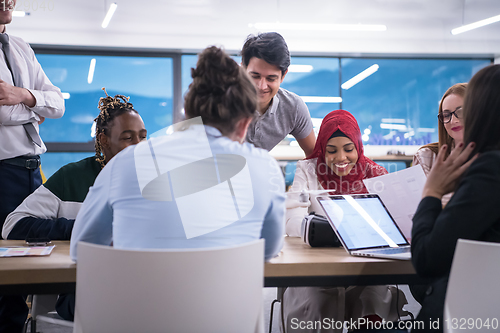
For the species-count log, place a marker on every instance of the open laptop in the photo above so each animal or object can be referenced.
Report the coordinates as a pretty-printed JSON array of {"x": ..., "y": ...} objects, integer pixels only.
[{"x": 364, "y": 226}]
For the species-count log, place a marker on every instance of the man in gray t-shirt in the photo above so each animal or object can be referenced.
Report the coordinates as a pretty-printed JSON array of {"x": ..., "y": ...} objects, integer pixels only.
[{"x": 266, "y": 58}]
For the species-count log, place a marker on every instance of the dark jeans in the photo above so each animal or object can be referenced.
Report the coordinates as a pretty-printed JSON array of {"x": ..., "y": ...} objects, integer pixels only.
[
  {"x": 65, "y": 306},
  {"x": 13, "y": 313},
  {"x": 16, "y": 183}
]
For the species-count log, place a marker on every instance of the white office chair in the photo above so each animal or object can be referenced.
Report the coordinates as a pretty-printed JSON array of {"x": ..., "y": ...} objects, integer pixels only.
[
  {"x": 473, "y": 290},
  {"x": 168, "y": 290},
  {"x": 43, "y": 309}
]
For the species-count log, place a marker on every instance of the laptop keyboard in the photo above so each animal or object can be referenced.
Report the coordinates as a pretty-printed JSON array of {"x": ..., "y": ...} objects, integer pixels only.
[{"x": 393, "y": 250}]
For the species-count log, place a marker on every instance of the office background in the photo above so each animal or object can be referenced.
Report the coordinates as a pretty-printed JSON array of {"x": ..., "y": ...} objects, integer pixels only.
[{"x": 148, "y": 48}]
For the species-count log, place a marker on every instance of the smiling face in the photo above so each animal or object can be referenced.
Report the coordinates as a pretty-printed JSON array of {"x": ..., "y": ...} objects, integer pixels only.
[
  {"x": 127, "y": 129},
  {"x": 267, "y": 79},
  {"x": 341, "y": 155},
  {"x": 455, "y": 127}
]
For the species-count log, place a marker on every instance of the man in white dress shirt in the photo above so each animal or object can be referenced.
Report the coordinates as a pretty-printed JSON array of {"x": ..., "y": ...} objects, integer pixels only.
[{"x": 27, "y": 97}]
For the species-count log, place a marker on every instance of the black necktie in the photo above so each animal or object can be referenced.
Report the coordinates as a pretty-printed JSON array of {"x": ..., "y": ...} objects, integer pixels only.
[{"x": 18, "y": 82}]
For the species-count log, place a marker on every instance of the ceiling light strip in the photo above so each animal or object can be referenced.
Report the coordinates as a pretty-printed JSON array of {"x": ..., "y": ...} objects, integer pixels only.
[
  {"x": 300, "y": 68},
  {"x": 360, "y": 77},
  {"x": 109, "y": 15},
  {"x": 90, "y": 78},
  {"x": 475, "y": 25},
  {"x": 321, "y": 99}
]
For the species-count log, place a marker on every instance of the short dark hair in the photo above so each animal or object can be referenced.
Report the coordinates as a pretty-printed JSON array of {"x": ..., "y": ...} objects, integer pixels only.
[
  {"x": 482, "y": 110},
  {"x": 221, "y": 93},
  {"x": 270, "y": 47}
]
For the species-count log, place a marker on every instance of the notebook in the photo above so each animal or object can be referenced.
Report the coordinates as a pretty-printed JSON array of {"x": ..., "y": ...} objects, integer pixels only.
[
  {"x": 28, "y": 251},
  {"x": 364, "y": 226}
]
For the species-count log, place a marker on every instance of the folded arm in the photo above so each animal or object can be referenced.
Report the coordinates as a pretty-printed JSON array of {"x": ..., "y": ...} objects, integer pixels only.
[{"x": 40, "y": 99}]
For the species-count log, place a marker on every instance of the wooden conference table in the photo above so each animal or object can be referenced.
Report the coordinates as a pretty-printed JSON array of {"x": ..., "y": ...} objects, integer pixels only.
[{"x": 297, "y": 265}]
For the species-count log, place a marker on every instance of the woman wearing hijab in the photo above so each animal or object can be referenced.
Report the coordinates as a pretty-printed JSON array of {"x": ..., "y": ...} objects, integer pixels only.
[{"x": 337, "y": 164}]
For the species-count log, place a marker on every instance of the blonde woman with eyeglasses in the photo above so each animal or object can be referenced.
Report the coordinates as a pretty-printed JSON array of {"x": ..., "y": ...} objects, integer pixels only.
[{"x": 450, "y": 130}]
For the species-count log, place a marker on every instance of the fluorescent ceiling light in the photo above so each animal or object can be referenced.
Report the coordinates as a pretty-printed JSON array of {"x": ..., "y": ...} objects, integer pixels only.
[
  {"x": 360, "y": 77},
  {"x": 90, "y": 78},
  {"x": 109, "y": 15},
  {"x": 66, "y": 95},
  {"x": 18, "y": 13},
  {"x": 475, "y": 25},
  {"x": 300, "y": 68},
  {"x": 321, "y": 99},
  {"x": 394, "y": 120},
  {"x": 317, "y": 26},
  {"x": 426, "y": 130},
  {"x": 401, "y": 128}
]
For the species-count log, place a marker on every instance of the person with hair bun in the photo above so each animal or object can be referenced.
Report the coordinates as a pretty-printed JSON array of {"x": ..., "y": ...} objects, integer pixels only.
[
  {"x": 49, "y": 213},
  {"x": 137, "y": 203},
  {"x": 450, "y": 129}
]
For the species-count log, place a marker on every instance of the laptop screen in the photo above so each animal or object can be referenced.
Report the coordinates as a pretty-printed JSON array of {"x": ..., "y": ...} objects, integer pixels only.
[{"x": 362, "y": 221}]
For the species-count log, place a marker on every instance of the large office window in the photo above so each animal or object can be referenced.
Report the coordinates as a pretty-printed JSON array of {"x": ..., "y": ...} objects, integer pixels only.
[
  {"x": 398, "y": 103},
  {"x": 188, "y": 62},
  {"x": 148, "y": 81},
  {"x": 316, "y": 80}
]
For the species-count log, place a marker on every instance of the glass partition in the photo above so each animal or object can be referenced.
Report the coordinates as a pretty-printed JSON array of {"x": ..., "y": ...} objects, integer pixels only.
[
  {"x": 148, "y": 81},
  {"x": 397, "y": 104}
]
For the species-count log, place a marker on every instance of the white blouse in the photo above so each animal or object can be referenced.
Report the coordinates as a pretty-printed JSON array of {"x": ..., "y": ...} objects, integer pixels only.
[
  {"x": 296, "y": 209},
  {"x": 426, "y": 157}
]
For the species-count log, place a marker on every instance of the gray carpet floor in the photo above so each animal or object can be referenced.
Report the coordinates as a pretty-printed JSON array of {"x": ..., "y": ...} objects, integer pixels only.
[{"x": 268, "y": 295}]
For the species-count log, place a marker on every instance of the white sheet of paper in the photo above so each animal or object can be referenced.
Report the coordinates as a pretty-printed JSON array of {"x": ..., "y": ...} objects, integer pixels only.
[{"x": 401, "y": 193}]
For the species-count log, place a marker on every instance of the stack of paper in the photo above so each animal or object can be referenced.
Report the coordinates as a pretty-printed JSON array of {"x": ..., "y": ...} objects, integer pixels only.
[{"x": 401, "y": 193}]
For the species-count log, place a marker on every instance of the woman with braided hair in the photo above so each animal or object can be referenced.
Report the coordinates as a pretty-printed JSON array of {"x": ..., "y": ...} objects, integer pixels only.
[{"x": 50, "y": 212}]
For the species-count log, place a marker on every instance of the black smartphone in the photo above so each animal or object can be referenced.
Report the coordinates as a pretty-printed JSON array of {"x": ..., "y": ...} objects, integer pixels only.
[{"x": 38, "y": 241}]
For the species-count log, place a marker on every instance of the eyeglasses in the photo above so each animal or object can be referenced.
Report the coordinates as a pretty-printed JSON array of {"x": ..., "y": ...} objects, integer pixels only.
[{"x": 445, "y": 117}]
